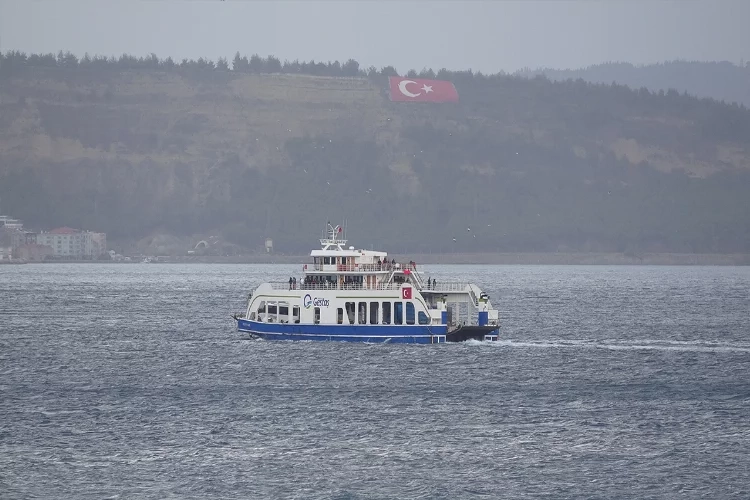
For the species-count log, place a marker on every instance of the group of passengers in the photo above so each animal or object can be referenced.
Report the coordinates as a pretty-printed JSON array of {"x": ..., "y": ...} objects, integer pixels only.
[
  {"x": 352, "y": 282},
  {"x": 318, "y": 282},
  {"x": 384, "y": 264}
]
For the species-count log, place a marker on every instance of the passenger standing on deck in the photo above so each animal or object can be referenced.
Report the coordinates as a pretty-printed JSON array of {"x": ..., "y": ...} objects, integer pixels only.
[{"x": 290, "y": 282}]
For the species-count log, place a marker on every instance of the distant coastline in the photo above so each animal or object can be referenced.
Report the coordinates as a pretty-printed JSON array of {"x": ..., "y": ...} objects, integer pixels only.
[{"x": 609, "y": 259}]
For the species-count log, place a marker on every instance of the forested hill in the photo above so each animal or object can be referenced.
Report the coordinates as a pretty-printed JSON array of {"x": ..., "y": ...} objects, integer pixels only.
[
  {"x": 722, "y": 81},
  {"x": 258, "y": 148}
]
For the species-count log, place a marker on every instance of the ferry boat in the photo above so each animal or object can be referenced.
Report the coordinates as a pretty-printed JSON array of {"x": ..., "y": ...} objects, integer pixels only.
[{"x": 362, "y": 296}]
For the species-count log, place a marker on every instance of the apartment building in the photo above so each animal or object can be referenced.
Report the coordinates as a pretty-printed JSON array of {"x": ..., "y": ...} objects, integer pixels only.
[{"x": 72, "y": 243}]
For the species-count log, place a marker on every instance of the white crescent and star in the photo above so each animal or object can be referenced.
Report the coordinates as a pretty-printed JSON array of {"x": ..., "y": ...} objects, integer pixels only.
[{"x": 402, "y": 87}]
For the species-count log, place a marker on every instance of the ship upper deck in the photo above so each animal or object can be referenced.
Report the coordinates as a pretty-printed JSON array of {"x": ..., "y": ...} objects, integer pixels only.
[{"x": 334, "y": 256}]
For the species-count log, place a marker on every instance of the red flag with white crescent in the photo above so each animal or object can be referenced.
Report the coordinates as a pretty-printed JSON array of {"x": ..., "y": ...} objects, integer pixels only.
[
  {"x": 406, "y": 292},
  {"x": 421, "y": 90}
]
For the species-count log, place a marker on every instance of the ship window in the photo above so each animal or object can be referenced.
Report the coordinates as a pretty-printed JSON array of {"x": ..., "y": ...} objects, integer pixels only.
[
  {"x": 272, "y": 311},
  {"x": 409, "y": 313},
  {"x": 398, "y": 313},
  {"x": 423, "y": 319},
  {"x": 374, "y": 313},
  {"x": 339, "y": 316},
  {"x": 350, "y": 306},
  {"x": 317, "y": 315},
  {"x": 362, "y": 313},
  {"x": 284, "y": 311},
  {"x": 295, "y": 314},
  {"x": 262, "y": 307},
  {"x": 386, "y": 313}
]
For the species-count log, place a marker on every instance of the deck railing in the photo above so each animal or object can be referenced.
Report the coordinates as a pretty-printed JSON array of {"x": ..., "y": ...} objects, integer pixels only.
[
  {"x": 439, "y": 287},
  {"x": 359, "y": 268},
  {"x": 448, "y": 286}
]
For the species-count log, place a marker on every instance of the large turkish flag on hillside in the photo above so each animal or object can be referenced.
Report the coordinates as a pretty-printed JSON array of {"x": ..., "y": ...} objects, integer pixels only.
[{"x": 417, "y": 89}]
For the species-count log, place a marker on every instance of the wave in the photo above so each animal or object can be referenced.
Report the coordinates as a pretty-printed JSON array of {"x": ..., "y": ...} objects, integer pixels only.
[{"x": 631, "y": 345}]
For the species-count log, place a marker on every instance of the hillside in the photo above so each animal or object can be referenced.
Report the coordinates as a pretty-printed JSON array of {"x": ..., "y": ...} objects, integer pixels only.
[
  {"x": 722, "y": 81},
  {"x": 146, "y": 149}
]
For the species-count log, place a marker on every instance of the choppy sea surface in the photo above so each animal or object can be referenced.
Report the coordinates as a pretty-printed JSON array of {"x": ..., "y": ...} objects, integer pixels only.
[{"x": 129, "y": 381}]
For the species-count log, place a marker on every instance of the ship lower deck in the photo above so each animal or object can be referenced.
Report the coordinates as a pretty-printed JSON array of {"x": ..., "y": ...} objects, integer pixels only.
[{"x": 409, "y": 334}]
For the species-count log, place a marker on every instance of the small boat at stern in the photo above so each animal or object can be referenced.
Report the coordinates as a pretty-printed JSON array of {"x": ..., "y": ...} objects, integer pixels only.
[{"x": 362, "y": 296}]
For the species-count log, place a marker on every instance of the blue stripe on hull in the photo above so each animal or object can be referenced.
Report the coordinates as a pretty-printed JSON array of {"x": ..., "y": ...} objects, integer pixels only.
[{"x": 409, "y": 334}]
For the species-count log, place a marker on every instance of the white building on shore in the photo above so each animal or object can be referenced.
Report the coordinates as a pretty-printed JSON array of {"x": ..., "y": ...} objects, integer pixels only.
[
  {"x": 61, "y": 243},
  {"x": 8, "y": 228},
  {"x": 72, "y": 243}
]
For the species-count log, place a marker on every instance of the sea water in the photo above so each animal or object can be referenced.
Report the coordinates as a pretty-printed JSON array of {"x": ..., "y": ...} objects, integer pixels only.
[{"x": 130, "y": 381}]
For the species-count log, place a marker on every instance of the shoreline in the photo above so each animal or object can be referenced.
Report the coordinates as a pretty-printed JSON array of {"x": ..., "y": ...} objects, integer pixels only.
[{"x": 607, "y": 259}]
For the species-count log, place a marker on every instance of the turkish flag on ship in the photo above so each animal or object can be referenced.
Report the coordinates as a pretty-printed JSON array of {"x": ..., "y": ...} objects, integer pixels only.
[
  {"x": 406, "y": 292},
  {"x": 417, "y": 89}
]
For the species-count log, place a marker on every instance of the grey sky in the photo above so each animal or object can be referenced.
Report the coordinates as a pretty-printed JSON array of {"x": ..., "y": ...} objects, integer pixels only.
[{"x": 482, "y": 35}]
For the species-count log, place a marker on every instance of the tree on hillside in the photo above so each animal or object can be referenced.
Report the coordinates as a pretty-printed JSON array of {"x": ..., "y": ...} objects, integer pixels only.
[
  {"x": 256, "y": 64},
  {"x": 240, "y": 64},
  {"x": 152, "y": 62},
  {"x": 427, "y": 73},
  {"x": 292, "y": 67},
  {"x": 43, "y": 60},
  {"x": 334, "y": 69},
  {"x": 67, "y": 60},
  {"x": 350, "y": 68},
  {"x": 272, "y": 65},
  {"x": 389, "y": 71}
]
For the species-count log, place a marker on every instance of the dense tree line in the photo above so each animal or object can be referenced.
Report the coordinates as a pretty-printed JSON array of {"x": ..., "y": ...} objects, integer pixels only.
[
  {"x": 723, "y": 81},
  {"x": 14, "y": 61},
  {"x": 719, "y": 120}
]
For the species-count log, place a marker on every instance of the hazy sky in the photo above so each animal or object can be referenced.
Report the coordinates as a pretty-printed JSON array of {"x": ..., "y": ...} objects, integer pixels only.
[{"x": 482, "y": 35}]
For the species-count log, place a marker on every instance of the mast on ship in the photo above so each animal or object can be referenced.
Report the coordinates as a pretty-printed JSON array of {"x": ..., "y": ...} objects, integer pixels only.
[{"x": 333, "y": 239}]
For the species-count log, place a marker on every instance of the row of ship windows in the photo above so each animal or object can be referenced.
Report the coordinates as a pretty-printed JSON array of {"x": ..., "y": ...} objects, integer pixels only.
[{"x": 380, "y": 313}]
